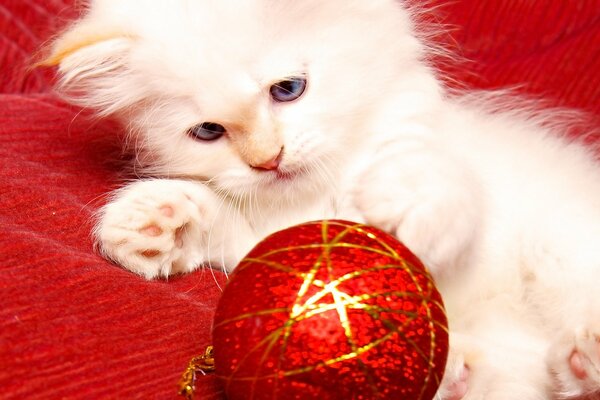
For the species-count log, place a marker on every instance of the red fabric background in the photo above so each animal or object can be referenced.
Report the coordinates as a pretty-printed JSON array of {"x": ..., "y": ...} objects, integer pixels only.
[{"x": 75, "y": 326}]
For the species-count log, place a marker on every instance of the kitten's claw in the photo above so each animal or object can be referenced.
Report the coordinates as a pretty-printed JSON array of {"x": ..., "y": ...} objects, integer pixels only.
[{"x": 157, "y": 227}]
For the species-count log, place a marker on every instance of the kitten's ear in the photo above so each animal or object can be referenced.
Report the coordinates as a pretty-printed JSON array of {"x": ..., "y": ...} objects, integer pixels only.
[
  {"x": 93, "y": 65},
  {"x": 82, "y": 36}
]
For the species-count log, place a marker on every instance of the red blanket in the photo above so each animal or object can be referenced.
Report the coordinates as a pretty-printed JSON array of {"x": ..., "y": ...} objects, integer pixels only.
[{"x": 76, "y": 326}]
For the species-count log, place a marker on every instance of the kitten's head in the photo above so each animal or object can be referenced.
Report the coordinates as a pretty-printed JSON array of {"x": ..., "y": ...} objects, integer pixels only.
[{"x": 256, "y": 96}]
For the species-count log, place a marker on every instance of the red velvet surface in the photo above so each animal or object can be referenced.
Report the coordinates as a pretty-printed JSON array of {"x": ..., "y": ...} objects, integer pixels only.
[{"x": 76, "y": 326}]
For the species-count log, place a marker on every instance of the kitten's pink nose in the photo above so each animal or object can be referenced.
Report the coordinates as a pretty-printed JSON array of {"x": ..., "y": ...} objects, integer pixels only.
[{"x": 271, "y": 164}]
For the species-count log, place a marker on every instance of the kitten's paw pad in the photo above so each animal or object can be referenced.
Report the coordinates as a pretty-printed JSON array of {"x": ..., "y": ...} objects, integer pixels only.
[
  {"x": 167, "y": 210},
  {"x": 575, "y": 362},
  {"x": 155, "y": 231},
  {"x": 455, "y": 383},
  {"x": 157, "y": 228},
  {"x": 151, "y": 230},
  {"x": 458, "y": 388},
  {"x": 584, "y": 361}
]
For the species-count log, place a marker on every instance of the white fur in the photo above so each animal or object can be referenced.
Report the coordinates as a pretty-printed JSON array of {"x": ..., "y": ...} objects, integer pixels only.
[{"x": 504, "y": 211}]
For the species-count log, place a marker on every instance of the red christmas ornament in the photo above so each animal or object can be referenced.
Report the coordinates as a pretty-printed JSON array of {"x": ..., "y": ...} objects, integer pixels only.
[{"x": 330, "y": 310}]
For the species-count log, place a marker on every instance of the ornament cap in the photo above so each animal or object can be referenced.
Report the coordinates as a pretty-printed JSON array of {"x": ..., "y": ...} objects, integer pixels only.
[{"x": 203, "y": 364}]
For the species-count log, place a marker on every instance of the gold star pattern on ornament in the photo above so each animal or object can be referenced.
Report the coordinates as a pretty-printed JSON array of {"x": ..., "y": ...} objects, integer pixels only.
[{"x": 314, "y": 305}]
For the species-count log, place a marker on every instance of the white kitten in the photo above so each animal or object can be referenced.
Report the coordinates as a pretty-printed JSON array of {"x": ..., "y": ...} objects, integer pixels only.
[{"x": 256, "y": 115}]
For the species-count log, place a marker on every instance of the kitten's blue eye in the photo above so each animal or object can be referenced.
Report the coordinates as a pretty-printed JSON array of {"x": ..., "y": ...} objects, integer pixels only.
[
  {"x": 207, "y": 131},
  {"x": 288, "y": 90}
]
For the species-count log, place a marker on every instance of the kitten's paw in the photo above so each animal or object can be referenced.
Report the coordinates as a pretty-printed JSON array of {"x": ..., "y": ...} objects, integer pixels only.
[
  {"x": 431, "y": 207},
  {"x": 575, "y": 363},
  {"x": 455, "y": 383},
  {"x": 158, "y": 227}
]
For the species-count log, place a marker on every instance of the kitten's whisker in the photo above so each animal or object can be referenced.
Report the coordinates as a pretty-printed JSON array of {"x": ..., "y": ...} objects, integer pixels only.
[{"x": 220, "y": 195}]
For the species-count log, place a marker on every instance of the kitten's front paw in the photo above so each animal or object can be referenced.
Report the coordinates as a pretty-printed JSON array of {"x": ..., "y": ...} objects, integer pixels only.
[
  {"x": 158, "y": 227},
  {"x": 575, "y": 363},
  {"x": 432, "y": 206}
]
